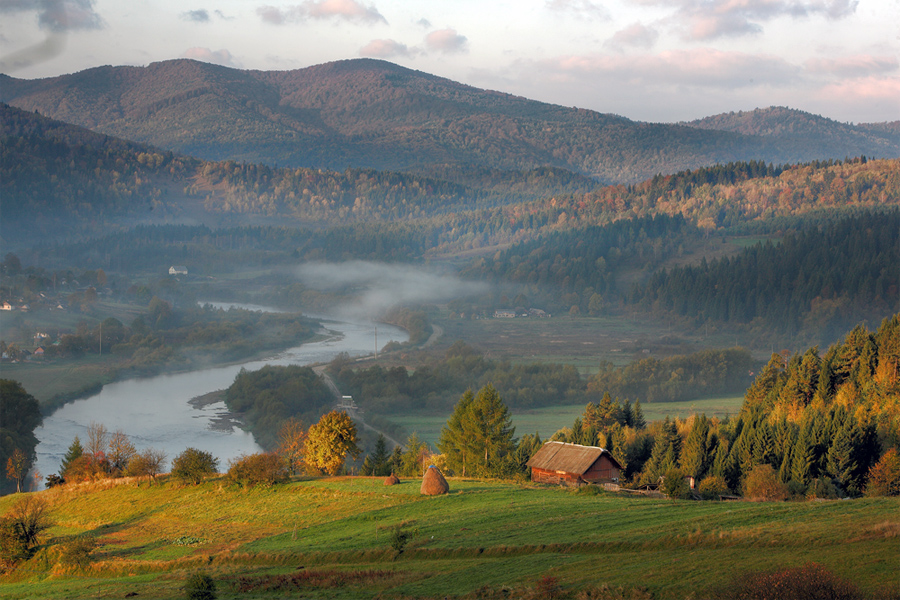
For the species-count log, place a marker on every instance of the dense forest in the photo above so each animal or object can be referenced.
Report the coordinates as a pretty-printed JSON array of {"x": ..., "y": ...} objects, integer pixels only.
[{"x": 817, "y": 279}]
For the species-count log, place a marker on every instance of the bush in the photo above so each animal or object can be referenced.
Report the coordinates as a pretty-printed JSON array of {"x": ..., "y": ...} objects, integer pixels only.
[
  {"x": 21, "y": 528},
  {"x": 264, "y": 468},
  {"x": 77, "y": 550},
  {"x": 200, "y": 586},
  {"x": 809, "y": 582},
  {"x": 762, "y": 483},
  {"x": 192, "y": 465},
  {"x": 675, "y": 486},
  {"x": 399, "y": 539},
  {"x": 713, "y": 487}
]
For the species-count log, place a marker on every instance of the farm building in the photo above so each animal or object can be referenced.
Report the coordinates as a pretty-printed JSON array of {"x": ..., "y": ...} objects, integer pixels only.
[{"x": 571, "y": 464}]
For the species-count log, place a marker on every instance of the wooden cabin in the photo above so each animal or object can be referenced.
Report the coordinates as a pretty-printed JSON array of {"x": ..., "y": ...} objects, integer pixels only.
[{"x": 571, "y": 464}]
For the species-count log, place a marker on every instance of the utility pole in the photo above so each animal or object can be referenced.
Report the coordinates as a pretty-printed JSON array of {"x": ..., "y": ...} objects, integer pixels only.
[{"x": 376, "y": 340}]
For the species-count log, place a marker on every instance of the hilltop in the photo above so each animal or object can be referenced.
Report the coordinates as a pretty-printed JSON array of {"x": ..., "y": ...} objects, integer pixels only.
[{"x": 375, "y": 114}]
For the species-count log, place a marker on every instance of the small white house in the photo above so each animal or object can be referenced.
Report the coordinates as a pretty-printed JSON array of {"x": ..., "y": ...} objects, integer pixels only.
[{"x": 177, "y": 270}]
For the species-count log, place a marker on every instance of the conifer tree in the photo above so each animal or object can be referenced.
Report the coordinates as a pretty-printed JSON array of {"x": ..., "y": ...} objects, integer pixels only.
[
  {"x": 695, "y": 457},
  {"x": 637, "y": 419},
  {"x": 75, "y": 451}
]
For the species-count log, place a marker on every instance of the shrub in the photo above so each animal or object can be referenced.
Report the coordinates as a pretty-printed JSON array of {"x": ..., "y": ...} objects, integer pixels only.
[
  {"x": 822, "y": 488},
  {"x": 809, "y": 582},
  {"x": 77, "y": 551},
  {"x": 200, "y": 586},
  {"x": 399, "y": 539},
  {"x": 762, "y": 483},
  {"x": 675, "y": 486},
  {"x": 21, "y": 528},
  {"x": 192, "y": 465},
  {"x": 712, "y": 487},
  {"x": 53, "y": 480},
  {"x": 264, "y": 468}
]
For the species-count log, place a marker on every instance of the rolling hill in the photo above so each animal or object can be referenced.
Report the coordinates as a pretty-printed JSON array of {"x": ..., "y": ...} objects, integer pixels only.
[{"x": 374, "y": 114}]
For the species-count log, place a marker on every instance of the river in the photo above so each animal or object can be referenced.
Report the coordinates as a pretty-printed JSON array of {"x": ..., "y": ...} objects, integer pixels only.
[{"x": 156, "y": 412}]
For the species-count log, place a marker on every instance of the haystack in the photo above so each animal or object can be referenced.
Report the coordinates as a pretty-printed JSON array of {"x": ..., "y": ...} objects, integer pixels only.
[
  {"x": 434, "y": 484},
  {"x": 392, "y": 480}
]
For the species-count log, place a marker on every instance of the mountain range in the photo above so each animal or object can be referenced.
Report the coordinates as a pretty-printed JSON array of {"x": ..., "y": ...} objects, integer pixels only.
[{"x": 374, "y": 114}]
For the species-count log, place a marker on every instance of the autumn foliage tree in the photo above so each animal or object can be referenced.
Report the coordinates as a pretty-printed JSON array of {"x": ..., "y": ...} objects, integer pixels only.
[
  {"x": 292, "y": 444},
  {"x": 330, "y": 441}
]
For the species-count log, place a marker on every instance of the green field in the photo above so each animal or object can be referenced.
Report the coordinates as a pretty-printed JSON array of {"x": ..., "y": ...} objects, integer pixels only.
[
  {"x": 550, "y": 419},
  {"x": 500, "y": 535}
]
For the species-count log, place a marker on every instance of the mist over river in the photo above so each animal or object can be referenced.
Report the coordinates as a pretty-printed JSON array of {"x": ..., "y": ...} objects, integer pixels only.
[{"x": 156, "y": 411}]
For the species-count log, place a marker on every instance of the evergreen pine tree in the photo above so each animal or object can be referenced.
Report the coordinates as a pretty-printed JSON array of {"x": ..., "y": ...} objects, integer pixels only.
[
  {"x": 627, "y": 414},
  {"x": 75, "y": 451},
  {"x": 637, "y": 419}
]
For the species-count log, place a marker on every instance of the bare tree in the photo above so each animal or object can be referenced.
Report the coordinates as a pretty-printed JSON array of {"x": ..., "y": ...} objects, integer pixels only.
[
  {"x": 97, "y": 436},
  {"x": 121, "y": 450},
  {"x": 148, "y": 463}
]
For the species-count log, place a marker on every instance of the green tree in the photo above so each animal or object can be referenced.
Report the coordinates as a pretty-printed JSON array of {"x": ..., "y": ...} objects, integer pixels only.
[
  {"x": 193, "y": 465},
  {"x": 695, "y": 458},
  {"x": 479, "y": 434},
  {"x": 638, "y": 416},
  {"x": 377, "y": 463},
  {"x": 456, "y": 442},
  {"x": 330, "y": 441},
  {"x": 74, "y": 452},
  {"x": 413, "y": 457}
]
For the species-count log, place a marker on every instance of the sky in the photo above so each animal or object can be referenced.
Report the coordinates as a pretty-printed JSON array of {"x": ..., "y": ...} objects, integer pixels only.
[{"x": 648, "y": 60}]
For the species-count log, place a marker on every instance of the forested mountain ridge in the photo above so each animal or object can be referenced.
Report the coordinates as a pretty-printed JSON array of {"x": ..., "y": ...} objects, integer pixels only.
[
  {"x": 798, "y": 130},
  {"x": 374, "y": 114}
]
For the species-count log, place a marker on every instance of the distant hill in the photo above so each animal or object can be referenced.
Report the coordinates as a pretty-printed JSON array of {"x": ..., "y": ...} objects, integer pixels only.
[
  {"x": 374, "y": 114},
  {"x": 56, "y": 177},
  {"x": 798, "y": 131}
]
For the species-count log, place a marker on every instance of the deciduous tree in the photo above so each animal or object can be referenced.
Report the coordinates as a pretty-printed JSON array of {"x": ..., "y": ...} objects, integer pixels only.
[{"x": 330, "y": 441}]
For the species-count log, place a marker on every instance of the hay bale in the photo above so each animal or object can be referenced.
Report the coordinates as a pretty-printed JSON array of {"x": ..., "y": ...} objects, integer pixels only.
[
  {"x": 434, "y": 484},
  {"x": 392, "y": 480}
]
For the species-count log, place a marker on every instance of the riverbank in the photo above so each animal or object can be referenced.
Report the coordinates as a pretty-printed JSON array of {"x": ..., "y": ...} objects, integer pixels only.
[{"x": 157, "y": 411}]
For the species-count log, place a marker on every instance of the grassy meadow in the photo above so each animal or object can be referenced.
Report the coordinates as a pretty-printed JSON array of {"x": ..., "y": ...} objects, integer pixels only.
[{"x": 331, "y": 538}]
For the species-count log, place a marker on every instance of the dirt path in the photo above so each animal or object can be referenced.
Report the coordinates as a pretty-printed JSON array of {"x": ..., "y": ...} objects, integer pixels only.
[
  {"x": 436, "y": 332},
  {"x": 354, "y": 414}
]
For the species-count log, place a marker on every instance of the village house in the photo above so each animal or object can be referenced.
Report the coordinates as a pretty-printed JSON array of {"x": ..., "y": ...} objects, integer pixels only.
[
  {"x": 572, "y": 464},
  {"x": 178, "y": 270}
]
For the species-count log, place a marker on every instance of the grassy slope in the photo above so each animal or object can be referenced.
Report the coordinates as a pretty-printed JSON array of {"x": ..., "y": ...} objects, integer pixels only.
[{"x": 482, "y": 533}]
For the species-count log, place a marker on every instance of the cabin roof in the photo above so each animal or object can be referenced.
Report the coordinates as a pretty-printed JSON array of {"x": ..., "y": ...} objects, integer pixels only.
[{"x": 571, "y": 458}]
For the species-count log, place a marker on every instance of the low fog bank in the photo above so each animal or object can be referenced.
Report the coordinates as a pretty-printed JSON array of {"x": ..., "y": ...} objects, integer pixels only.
[{"x": 378, "y": 287}]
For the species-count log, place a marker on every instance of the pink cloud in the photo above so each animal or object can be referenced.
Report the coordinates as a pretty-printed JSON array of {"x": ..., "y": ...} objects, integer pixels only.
[
  {"x": 218, "y": 57},
  {"x": 385, "y": 49},
  {"x": 447, "y": 41},
  {"x": 866, "y": 89},
  {"x": 862, "y": 65},
  {"x": 346, "y": 10},
  {"x": 635, "y": 35}
]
